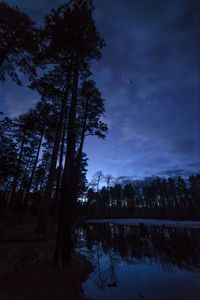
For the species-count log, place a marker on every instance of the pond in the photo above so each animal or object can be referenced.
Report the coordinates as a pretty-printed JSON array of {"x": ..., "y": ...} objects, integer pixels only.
[{"x": 134, "y": 262}]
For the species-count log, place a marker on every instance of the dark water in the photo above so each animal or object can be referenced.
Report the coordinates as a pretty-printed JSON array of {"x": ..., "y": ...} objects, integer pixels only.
[{"x": 141, "y": 262}]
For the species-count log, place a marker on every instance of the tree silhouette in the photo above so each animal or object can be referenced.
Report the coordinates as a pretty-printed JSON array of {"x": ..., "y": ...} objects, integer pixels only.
[
  {"x": 23, "y": 125},
  {"x": 50, "y": 86},
  {"x": 19, "y": 43},
  {"x": 79, "y": 41},
  {"x": 91, "y": 109},
  {"x": 43, "y": 111}
]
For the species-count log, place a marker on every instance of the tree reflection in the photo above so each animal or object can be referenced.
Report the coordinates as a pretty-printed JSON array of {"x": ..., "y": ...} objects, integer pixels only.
[{"x": 170, "y": 246}]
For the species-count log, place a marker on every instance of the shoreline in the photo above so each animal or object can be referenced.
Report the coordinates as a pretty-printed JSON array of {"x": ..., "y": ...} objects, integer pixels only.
[
  {"x": 26, "y": 268},
  {"x": 149, "y": 222}
]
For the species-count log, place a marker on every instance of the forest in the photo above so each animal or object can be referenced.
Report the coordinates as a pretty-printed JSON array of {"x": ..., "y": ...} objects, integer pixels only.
[
  {"x": 47, "y": 204},
  {"x": 164, "y": 198},
  {"x": 43, "y": 165}
]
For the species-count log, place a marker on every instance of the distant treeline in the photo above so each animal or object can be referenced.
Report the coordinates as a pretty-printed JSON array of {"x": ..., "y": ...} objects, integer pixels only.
[{"x": 160, "y": 198}]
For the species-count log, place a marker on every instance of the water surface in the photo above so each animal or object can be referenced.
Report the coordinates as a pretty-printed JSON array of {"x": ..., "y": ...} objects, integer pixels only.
[{"x": 141, "y": 262}]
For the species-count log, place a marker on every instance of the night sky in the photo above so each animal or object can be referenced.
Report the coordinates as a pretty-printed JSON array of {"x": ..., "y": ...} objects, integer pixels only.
[{"x": 149, "y": 77}]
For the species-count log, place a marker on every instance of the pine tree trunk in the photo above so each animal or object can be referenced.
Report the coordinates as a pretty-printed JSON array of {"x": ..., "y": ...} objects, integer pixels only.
[
  {"x": 31, "y": 179},
  {"x": 80, "y": 151},
  {"x": 68, "y": 195},
  {"x": 60, "y": 167},
  {"x": 46, "y": 202},
  {"x": 12, "y": 197}
]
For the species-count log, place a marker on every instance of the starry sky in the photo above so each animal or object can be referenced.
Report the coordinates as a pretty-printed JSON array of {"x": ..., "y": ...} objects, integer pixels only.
[{"x": 149, "y": 78}]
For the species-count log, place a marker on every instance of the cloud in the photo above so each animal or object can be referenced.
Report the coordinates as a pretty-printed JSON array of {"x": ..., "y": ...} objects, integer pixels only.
[
  {"x": 184, "y": 146},
  {"x": 149, "y": 79},
  {"x": 194, "y": 165},
  {"x": 171, "y": 172},
  {"x": 119, "y": 161},
  {"x": 176, "y": 170},
  {"x": 124, "y": 179}
]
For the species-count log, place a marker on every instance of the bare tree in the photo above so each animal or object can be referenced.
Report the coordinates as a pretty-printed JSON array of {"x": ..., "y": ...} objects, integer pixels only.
[
  {"x": 97, "y": 178},
  {"x": 109, "y": 180}
]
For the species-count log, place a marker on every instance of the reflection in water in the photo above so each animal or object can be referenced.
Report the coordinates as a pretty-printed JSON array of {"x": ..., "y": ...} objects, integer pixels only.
[{"x": 136, "y": 262}]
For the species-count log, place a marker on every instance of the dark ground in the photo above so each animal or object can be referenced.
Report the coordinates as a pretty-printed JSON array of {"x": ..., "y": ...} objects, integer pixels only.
[{"x": 26, "y": 268}]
